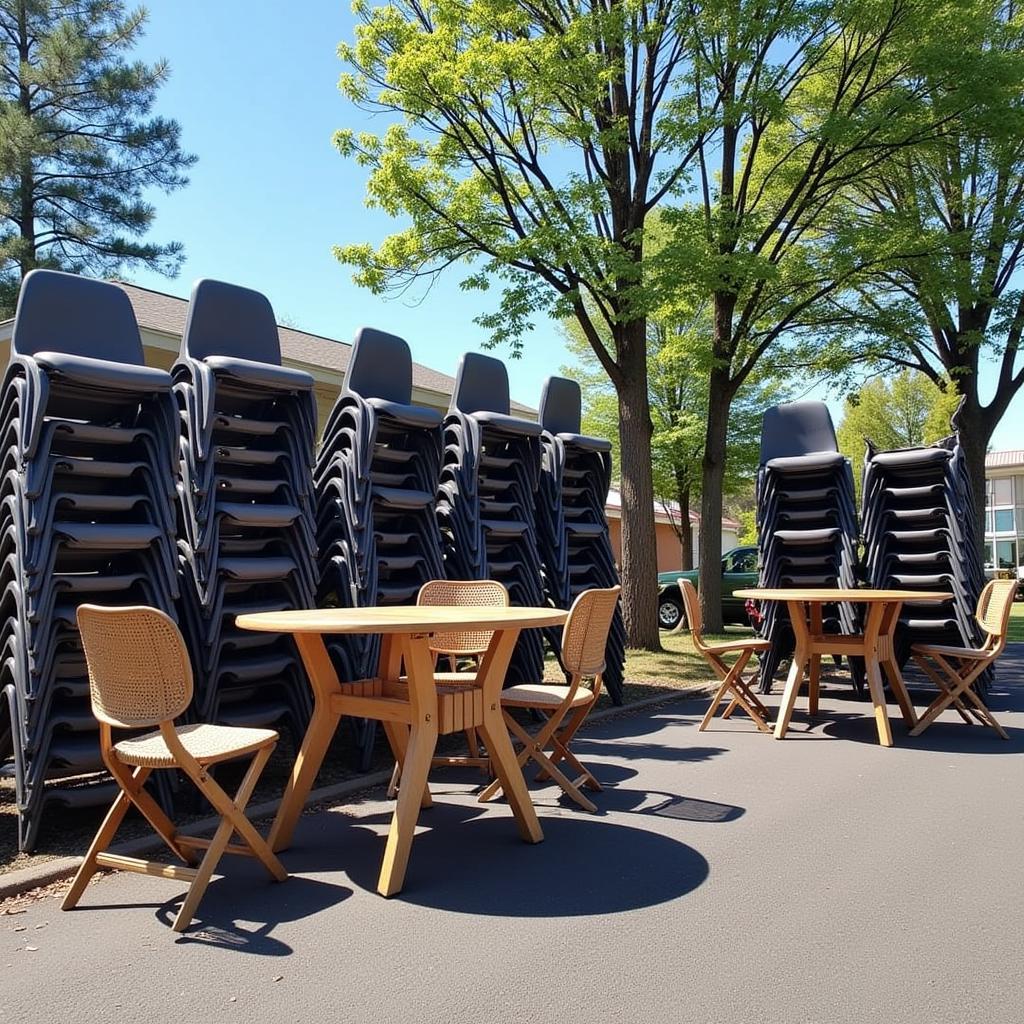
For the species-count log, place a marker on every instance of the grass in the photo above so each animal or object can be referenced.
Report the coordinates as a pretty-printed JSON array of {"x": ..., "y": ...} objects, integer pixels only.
[
  {"x": 676, "y": 667},
  {"x": 1015, "y": 633}
]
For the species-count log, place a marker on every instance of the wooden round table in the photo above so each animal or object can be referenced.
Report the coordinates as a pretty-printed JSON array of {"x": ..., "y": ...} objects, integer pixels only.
[
  {"x": 874, "y": 645},
  {"x": 411, "y": 708}
]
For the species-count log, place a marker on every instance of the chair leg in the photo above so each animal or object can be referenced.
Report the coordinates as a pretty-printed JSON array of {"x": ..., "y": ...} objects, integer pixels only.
[
  {"x": 103, "y": 838},
  {"x": 233, "y": 819}
]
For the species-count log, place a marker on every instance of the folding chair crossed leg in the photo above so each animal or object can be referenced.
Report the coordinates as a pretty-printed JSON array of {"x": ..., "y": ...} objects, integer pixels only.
[
  {"x": 185, "y": 847},
  {"x": 534, "y": 747},
  {"x": 734, "y": 683},
  {"x": 954, "y": 685}
]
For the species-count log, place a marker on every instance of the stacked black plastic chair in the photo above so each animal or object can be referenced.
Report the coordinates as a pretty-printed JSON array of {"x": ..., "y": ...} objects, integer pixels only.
[
  {"x": 486, "y": 503},
  {"x": 807, "y": 522},
  {"x": 87, "y": 506},
  {"x": 572, "y": 530},
  {"x": 376, "y": 486},
  {"x": 919, "y": 534},
  {"x": 246, "y": 526}
]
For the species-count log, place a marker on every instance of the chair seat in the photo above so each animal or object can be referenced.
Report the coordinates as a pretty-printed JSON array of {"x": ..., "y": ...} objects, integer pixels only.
[
  {"x": 508, "y": 424},
  {"x": 951, "y": 652},
  {"x": 541, "y": 695},
  {"x": 410, "y": 415},
  {"x": 206, "y": 743},
  {"x": 725, "y": 646},
  {"x": 105, "y": 374},
  {"x": 268, "y": 375}
]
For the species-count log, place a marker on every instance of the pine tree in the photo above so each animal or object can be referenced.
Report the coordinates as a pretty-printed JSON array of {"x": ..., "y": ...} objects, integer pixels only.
[{"x": 79, "y": 147}]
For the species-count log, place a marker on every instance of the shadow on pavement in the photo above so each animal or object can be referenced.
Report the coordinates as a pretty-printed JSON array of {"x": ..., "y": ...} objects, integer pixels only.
[
  {"x": 478, "y": 865},
  {"x": 241, "y": 909}
]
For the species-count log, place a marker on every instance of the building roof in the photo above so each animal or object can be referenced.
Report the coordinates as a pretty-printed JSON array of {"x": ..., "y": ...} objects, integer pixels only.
[
  {"x": 158, "y": 311},
  {"x": 1010, "y": 459},
  {"x": 664, "y": 511}
]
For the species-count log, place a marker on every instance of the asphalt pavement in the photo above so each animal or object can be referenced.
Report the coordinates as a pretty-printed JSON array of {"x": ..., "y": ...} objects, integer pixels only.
[{"x": 728, "y": 879}]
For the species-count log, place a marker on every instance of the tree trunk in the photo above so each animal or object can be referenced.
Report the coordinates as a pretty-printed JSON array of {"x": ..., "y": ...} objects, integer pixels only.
[
  {"x": 639, "y": 543},
  {"x": 974, "y": 436},
  {"x": 685, "y": 530},
  {"x": 713, "y": 470}
]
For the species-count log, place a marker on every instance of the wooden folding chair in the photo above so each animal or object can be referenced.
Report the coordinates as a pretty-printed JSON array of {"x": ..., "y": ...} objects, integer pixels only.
[
  {"x": 733, "y": 680},
  {"x": 140, "y": 677},
  {"x": 959, "y": 667},
  {"x": 453, "y": 646},
  {"x": 564, "y": 708}
]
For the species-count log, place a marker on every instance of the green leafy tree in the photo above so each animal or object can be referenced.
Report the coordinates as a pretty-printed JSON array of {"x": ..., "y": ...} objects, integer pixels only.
[
  {"x": 78, "y": 143},
  {"x": 678, "y": 368},
  {"x": 901, "y": 412},
  {"x": 944, "y": 226},
  {"x": 529, "y": 142},
  {"x": 793, "y": 101}
]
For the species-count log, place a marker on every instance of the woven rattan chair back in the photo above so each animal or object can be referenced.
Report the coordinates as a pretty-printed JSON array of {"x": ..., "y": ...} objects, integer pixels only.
[
  {"x": 691, "y": 602},
  {"x": 585, "y": 634},
  {"x": 994, "y": 606},
  {"x": 139, "y": 670},
  {"x": 462, "y": 594}
]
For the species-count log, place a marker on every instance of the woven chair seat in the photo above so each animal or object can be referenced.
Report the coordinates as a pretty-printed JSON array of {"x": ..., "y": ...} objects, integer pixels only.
[
  {"x": 537, "y": 695},
  {"x": 206, "y": 743},
  {"x": 952, "y": 652}
]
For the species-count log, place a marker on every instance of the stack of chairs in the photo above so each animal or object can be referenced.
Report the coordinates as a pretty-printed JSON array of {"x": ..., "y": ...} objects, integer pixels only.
[
  {"x": 572, "y": 530},
  {"x": 807, "y": 523},
  {"x": 488, "y": 492},
  {"x": 245, "y": 499},
  {"x": 87, "y": 506},
  {"x": 919, "y": 534},
  {"x": 376, "y": 485}
]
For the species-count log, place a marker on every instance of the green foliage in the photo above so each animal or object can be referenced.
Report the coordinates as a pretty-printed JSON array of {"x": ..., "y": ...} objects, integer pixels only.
[
  {"x": 521, "y": 147},
  {"x": 941, "y": 228},
  {"x": 898, "y": 412},
  {"x": 78, "y": 143},
  {"x": 678, "y": 365}
]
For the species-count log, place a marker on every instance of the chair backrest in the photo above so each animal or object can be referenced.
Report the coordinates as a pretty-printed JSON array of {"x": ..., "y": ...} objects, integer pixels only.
[
  {"x": 561, "y": 405},
  {"x": 994, "y": 606},
  {"x": 797, "y": 428},
  {"x": 585, "y": 634},
  {"x": 380, "y": 366},
  {"x": 139, "y": 670},
  {"x": 691, "y": 602},
  {"x": 463, "y": 594},
  {"x": 229, "y": 320},
  {"x": 481, "y": 385},
  {"x": 60, "y": 312}
]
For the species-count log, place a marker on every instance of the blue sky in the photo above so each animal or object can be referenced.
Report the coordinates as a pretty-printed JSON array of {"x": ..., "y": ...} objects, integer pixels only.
[{"x": 254, "y": 86}]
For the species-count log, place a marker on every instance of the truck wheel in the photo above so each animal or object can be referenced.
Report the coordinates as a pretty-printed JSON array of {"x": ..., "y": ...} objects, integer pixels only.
[{"x": 670, "y": 612}]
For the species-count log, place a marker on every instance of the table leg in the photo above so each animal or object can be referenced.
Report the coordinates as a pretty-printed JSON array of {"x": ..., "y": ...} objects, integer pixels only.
[
  {"x": 491, "y": 678},
  {"x": 814, "y": 672},
  {"x": 887, "y": 657},
  {"x": 419, "y": 665},
  {"x": 389, "y": 667},
  {"x": 322, "y": 726},
  {"x": 873, "y": 671},
  {"x": 798, "y": 618}
]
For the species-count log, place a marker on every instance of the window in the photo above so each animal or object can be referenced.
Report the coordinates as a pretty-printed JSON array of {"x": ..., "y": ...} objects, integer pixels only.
[
  {"x": 1018, "y": 488},
  {"x": 988, "y": 553},
  {"x": 744, "y": 561},
  {"x": 1005, "y": 556},
  {"x": 1004, "y": 520},
  {"x": 1002, "y": 491}
]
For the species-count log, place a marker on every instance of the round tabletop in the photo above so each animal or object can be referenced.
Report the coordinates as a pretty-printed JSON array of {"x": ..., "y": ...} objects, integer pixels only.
[
  {"x": 401, "y": 619},
  {"x": 813, "y": 595}
]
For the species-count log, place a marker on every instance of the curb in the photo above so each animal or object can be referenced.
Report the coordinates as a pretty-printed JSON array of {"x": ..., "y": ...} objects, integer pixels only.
[{"x": 15, "y": 883}]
